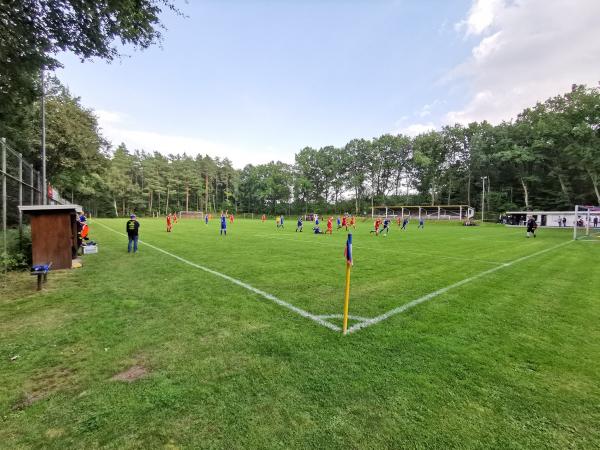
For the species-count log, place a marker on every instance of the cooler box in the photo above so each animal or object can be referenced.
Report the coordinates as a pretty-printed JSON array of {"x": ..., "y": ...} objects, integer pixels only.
[{"x": 89, "y": 249}]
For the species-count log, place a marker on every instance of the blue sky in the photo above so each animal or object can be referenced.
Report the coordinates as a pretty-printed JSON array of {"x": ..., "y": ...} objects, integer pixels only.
[{"x": 259, "y": 80}]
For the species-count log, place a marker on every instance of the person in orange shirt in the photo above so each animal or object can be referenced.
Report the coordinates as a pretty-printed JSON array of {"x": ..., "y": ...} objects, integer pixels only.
[
  {"x": 231, "y": 218},
  {"x": 263, "y": 218},
  {"x": 84, "y": 228},
  {"x": 345, "y": 222},
  {"x": 377, "y": 224},
  {"x": 174, "y": 217},
  {"x": 329, "y": 226},
  {"x": 353, "y": 222},
  {"x": 169, "y": 224}
]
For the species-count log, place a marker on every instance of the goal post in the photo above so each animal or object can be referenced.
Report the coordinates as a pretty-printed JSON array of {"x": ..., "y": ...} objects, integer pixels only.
[{"x": 586, "y": 222}]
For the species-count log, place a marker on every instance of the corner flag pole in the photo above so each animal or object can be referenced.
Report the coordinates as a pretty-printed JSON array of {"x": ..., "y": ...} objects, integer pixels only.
[{"x": 348, "y": 254}]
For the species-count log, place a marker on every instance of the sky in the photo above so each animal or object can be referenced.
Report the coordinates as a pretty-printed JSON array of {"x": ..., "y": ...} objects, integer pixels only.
[{"x": 256, "y": 81}]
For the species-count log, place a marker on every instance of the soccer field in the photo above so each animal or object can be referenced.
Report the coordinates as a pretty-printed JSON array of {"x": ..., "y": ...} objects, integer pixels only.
[
  {"x": 460, "y": 337},
  {"x": 307, "y": 271}
]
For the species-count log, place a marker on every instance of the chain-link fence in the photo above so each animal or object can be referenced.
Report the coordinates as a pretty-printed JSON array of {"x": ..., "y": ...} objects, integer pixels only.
[{"x": 21, "y": 185}]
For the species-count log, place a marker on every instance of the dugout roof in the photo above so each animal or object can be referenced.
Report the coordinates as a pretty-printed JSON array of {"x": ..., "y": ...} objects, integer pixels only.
[{"x": 49, "y": 209}]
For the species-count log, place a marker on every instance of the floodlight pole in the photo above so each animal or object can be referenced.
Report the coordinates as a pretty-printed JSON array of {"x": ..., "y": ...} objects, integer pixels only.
[
  {"x": 4, "y": 195},
  {"x": 575, "y": 222},
  {"x": 483, "y": 200},
  {"x": 44, "y": 188}
]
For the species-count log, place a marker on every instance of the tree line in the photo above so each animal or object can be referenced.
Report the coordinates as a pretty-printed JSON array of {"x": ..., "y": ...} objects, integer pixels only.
[{"x": 548, "y": 158}]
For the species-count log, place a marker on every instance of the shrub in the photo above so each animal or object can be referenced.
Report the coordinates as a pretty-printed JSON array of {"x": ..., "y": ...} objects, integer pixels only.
[{"x": 18, "y": 251}]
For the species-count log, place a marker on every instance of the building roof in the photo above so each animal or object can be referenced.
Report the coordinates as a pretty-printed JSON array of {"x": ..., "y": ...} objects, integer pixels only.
[
  {"x": 41, "y": 209},
  {"x": 421, "y": 206}
]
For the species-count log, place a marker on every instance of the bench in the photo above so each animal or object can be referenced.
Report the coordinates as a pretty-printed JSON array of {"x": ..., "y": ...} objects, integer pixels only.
[{"x": 41, "y": 271}]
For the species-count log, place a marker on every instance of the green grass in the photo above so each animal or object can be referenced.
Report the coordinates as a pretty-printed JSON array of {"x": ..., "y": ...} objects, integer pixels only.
[{"x": 508, "y": 360}]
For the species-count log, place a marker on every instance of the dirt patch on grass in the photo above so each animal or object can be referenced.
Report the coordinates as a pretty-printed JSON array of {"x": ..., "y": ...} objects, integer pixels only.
[
  {"x": 28, "y": 399},
  {"x": 53, "y": 433},
  {"x": 43, "y": 384},
  {"x": 40, "y": 318},
  {"x": 133, "y": 373}
]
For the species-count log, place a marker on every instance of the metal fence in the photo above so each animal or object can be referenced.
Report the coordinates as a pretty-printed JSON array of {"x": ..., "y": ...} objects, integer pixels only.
[{"x": 21, "y": 185}]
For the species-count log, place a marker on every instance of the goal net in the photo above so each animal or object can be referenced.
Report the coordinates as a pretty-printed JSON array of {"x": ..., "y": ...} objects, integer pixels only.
[
  {"x": 190, "y": 215},
  {"x": 586, "y": 224},
  {"x": 434, "y": 212}
]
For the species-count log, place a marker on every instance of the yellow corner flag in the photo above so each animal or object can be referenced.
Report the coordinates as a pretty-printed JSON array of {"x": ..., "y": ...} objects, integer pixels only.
[{"x": 349, "y": 263}]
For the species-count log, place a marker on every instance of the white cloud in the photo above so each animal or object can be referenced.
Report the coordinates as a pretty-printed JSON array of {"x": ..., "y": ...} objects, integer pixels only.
[
  {"x": 405, "y": 126},
  {"x": 415, "y": 129},
  {"x": 427, "y": 109},
  {"x": 108, "y": 117},
  {"x": 527, "y": 51},
  {"x": 487, "y": 46},
  {"x": 481, "y": 16},
  {"x": 114, "y": 127}
]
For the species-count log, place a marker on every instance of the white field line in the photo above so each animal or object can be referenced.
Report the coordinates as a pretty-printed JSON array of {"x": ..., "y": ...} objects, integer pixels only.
[
  {"x": 341, "y": 316},
  {"x": 519, "y": 238},
  {"x": 435, "y": 255},
  {"x": 441, "y": 291},
  {"x": 263, "y": 294}
]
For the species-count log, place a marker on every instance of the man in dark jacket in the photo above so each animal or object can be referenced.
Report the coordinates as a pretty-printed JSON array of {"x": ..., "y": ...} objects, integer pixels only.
[
  {"x": 531, "y": 226},
  {"x": 132, "y": 228}
]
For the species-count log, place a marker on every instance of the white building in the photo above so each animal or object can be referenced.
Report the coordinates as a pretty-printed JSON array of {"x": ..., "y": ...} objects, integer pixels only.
[{"x": 549, "y": 218}]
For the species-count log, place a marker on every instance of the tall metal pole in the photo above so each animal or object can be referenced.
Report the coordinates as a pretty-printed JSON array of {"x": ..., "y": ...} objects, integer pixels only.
[
  {"x": 44, "y": 188},
  {"x": 4, "y": 194},
  {"x": 32, "y": 190},
  {"x": 20, "y": 156},
  {"x": 483, "y": 200},
  {"x": 39, "y": 200},
  {"x": 489, "y": 185},
  {"x": 575, "y": 222}
]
